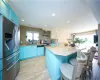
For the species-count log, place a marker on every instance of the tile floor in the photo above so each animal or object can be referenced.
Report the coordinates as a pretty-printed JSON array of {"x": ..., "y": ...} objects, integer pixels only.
[{"x": 33, "y": 69}]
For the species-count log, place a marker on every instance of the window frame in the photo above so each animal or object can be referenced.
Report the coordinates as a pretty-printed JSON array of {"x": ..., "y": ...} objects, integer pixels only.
[{"x": 32, "y": 34}]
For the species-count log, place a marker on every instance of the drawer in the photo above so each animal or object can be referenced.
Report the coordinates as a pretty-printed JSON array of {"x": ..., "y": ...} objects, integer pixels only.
[
  {"x": 10, "y": 60},
  {"x": 11, "y": 73}
]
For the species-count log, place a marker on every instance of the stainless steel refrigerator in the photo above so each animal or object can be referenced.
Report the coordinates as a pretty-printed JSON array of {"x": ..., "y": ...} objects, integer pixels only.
[{"x": 9, "y": 54}]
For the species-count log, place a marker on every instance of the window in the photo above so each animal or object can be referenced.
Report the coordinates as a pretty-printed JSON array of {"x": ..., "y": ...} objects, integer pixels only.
[
  {"x": 90, "y": 39},
  {"x": 36, "y": 36},
  {"x": 32, "y": 36},
  {"x": 29, "y": 36}
]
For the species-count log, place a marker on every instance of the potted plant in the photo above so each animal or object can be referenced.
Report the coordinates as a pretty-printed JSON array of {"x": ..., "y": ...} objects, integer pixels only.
[{"x": 78, "y": 41}]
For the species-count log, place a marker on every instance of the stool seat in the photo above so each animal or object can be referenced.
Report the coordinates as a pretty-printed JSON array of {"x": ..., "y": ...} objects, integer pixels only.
[
  {"x": 73, "y": 61},
  {"x": 67, "y": 70}
]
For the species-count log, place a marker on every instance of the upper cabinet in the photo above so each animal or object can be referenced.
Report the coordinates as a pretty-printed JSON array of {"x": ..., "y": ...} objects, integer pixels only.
[
  {"x": 4, "y": 10},
  {"x": 47, "y": 33},
  {"x": 8, "y": 12},
  {"x": 13, "y": 17}
]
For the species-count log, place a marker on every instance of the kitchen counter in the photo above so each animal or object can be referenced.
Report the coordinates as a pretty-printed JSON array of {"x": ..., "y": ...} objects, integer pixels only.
[
  {"x": 55, "y": 56},
  {"x": 62, "y": 50}
]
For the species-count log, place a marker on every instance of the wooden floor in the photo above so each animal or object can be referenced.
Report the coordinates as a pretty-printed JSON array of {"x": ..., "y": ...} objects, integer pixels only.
[{"x": 33, "y": 69}]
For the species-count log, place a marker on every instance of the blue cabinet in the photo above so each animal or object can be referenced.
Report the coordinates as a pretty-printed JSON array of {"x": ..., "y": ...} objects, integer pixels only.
[
  {"x": 40, "y": 51},
  {"x": 21, "y": 53},
  {"x": 4, "y": 10},
  {"x": 13, "y": 17},
  {"x": 53, "y": 63},
  {"x": 7, "y": 11},
  {"x": 28, "y": 52}
]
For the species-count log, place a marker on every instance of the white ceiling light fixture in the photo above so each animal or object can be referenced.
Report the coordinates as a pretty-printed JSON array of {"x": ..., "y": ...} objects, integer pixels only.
[
  {"x": 53, "y": 14},
  {"x": 68, "y": 21},
  {"x": 22, "y": 19}
]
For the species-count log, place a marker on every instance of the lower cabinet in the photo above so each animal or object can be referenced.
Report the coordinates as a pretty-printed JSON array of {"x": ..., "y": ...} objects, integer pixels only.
[
  {"x": 30, "y": 52},
  {"x": 21, "y": 52},
  {"x": 40, "y": 51}
]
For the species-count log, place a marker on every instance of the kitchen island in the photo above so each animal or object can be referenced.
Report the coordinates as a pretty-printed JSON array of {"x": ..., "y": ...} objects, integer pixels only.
[{"x": 55, "y": 56}]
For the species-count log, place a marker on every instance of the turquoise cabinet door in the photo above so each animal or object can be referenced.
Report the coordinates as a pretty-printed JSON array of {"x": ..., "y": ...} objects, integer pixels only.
[
  {"x": 5, "y": 10},
  {"x": 21, "y": 53},
  {"x": 30, "y": 51},
  {"x": 40, "y": 51},
  {"x": 53, "y": 63},
  {"x": 14, "y": 17}
]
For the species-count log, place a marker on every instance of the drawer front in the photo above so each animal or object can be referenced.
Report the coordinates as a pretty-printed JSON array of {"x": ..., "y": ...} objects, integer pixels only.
[
  {"x": 10, "y": 60},
  {"x": 11, "y": 73},
  {"x": 14, "y": 17}
]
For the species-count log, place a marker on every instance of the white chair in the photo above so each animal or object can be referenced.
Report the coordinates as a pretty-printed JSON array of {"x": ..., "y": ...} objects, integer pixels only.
[
  {"x": 74, "y": 60},
  {"x": 80, "y": 57},
  {"x": 70, "y": 72},
  {"x": 91, "y": 56}
]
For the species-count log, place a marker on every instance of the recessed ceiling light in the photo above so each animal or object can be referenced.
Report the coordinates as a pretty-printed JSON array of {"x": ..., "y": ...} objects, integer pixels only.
[
  {"x": 53, "y": 14},
  {"x": 68, "y": 21},
  {"x": 22, "y": 19},
  {"x": 45, "y": 25}
]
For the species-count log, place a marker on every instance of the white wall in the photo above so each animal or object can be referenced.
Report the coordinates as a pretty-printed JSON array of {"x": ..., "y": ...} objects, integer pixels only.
[{"x": 62, "y": 34}]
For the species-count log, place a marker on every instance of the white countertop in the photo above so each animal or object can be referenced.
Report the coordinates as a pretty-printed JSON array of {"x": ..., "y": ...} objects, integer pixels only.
[{"x": 62, "y": 50}]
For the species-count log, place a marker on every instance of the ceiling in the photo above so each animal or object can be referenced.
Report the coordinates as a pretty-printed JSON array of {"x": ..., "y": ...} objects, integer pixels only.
[
  {"x": 69, "y": 13},
  {"x": 94, "y": 5}
]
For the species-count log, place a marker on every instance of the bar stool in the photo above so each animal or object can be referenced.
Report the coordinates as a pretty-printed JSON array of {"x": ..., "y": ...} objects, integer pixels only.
[
  {"x": 91, "y": 56},
  {"x": 79, "y": 57},
  {"x": 70, "y": 72},
  {"x": 74, "y": 60}
]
